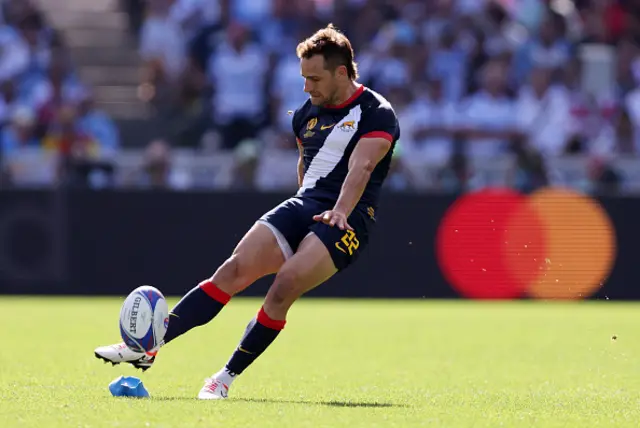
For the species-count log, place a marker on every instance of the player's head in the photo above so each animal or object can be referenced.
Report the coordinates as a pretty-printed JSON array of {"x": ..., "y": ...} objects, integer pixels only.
[{"x": 327, "y": 65}]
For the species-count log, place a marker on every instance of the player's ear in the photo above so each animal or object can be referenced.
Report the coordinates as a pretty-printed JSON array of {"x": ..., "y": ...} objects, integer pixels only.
[{"x": 341, "y": 71}]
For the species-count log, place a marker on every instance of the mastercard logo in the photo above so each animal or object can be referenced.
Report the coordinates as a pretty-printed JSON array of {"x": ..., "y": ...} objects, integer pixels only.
[{"x": 500, "y": 244}]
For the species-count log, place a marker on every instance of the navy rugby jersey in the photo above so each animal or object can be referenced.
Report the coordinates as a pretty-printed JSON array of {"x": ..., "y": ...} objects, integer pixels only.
[{"x": 328, "y": 136}]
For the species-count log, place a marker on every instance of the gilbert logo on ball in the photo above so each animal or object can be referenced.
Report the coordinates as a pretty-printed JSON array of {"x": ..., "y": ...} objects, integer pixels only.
[
  {"x": 133, "y": 319},
  {"x": 552, "y": 244}
]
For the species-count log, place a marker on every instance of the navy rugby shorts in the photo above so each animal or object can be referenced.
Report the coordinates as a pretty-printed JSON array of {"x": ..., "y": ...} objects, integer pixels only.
[{"x": 292, "y": 221}]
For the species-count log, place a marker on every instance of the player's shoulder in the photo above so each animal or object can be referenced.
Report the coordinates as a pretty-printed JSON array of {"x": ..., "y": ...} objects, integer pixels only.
[
  {"x": 374, "y": 102},
  {"x": 378, "y": 116},
  {"x": 301, "y": 114}
]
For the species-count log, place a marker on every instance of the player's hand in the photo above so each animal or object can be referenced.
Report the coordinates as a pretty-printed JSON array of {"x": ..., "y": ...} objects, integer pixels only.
[{"x": 333, "y": 218}]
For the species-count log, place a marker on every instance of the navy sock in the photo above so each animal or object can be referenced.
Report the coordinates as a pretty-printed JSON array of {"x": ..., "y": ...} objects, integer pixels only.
[
  {"x": 196, "y": 308},
  {"x": 260, "y": 333}
]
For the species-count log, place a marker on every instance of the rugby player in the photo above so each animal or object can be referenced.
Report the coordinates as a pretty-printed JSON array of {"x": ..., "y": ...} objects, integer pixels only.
[{"x": 346, "y": 134}]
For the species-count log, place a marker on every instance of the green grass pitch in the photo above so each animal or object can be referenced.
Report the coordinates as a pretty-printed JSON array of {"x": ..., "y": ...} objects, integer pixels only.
[{"x": 339, "y": 363}]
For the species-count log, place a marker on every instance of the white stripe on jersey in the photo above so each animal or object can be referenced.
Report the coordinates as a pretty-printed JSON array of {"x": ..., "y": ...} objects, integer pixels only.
[{"x": 332, "y": 150}]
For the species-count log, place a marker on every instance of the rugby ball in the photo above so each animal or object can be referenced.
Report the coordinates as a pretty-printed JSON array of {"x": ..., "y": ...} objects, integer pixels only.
[{"x": 144, "y": 319}]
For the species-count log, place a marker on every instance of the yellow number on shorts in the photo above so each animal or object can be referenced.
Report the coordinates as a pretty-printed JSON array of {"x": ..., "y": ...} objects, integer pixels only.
[{"x": 349, "y": 243}]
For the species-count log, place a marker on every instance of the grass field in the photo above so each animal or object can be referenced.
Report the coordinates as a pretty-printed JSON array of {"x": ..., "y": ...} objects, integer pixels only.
[{"x": 337, "y": 364}]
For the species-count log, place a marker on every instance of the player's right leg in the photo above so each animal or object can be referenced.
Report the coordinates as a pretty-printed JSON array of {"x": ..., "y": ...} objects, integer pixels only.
[
  {"x": 258, "y": 254},
  {"x": 310, "y": 266}
]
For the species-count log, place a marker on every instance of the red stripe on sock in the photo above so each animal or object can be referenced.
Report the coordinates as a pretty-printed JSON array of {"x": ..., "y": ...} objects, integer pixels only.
[
  {"x": 214, "y": 292},
  {"x": 264, "y": 319}
]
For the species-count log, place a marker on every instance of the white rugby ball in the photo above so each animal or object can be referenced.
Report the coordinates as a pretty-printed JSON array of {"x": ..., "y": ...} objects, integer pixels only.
[{"x": 144, "y": 319}]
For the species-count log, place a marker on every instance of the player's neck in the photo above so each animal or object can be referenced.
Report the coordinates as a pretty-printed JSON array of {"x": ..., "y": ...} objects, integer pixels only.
[{"x": 344, "y": 95}]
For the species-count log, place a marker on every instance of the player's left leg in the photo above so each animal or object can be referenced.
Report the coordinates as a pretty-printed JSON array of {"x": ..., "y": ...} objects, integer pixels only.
[{"x": 309, "y": 267}]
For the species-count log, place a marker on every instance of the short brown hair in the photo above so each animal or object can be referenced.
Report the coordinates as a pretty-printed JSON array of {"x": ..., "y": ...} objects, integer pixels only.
[{"x": 334, "y": 46}]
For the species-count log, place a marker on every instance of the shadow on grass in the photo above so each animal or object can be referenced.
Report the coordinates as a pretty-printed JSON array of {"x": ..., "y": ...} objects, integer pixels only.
[
  {"x": 323, "y": 403},
  {"x": 311, "y": 403}
]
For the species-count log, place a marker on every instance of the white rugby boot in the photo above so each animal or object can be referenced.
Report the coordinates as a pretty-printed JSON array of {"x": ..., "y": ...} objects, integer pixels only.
[
  {"x": 120, "y": 353},
  {"x": 217, "y": 386}
]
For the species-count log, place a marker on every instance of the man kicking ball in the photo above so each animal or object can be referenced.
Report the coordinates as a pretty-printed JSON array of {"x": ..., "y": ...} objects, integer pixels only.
[{"x": 346, "y": 134}]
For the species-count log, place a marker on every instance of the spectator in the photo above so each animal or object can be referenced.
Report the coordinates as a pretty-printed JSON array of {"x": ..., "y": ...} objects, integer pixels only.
[
  {"x": 58, "y": 89},
  {"x": 39, "y": 46},
  {"x": 18, "y": 138},
  {"x": 619, "y": 140},
  {"x": 488, "y": 118},
  {"x": 548, "y": 50},
  {"x": 96, "y": 125},
  {"x": 238, "y": 73},
  {"x": 448, "y": 64},
  {"x": 67, "y": 141},
  {"x": 188, "y": 118},
  {"x": 14, "y": 53},
  {"x": 20, "y": 133},
  {"x": 542, "y": 113},
  {"x": 158, "y": 170},
  {"x": 286, "y": 92},
  {"x": 392, "y": 67},
  {"x": 589, "y": 115},
  {"x": 283, "y": 31},
  {"x": 428, "y": 125},
  {"x": 162, "y": 43},
  {"x": 202, "y": 21}
]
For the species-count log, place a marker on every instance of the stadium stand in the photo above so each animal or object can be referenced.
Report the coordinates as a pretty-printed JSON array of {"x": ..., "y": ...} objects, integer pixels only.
[{"x": 195, "y": 93}]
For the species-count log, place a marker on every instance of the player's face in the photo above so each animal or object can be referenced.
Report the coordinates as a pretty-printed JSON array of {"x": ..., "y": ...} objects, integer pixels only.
[{"x": 319, "y": 83}]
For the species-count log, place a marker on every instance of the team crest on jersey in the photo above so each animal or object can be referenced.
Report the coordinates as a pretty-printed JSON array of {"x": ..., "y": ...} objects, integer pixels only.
[
  {"x": 348, "y": 126},
  {"x": 310, "y": 125}
]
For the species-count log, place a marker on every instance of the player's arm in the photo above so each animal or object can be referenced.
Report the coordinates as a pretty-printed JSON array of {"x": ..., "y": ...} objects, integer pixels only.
[
  {"x": 296, "y": 124},
  {"x": 379, "y": 127},
  {"x": 365, "y": 157},
  {"x": 300, "y": 163}
]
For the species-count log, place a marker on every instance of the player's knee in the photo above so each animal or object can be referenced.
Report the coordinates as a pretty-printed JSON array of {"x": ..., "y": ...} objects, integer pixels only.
[
  {"x": 233, "y": 276},
  {"x": 285, "y": 288}
]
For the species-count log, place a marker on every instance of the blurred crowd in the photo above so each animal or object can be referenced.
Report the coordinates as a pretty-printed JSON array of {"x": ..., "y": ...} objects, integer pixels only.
[
  {"x": 44, "y": 107},
  {"x": 472, "y": 81}
]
